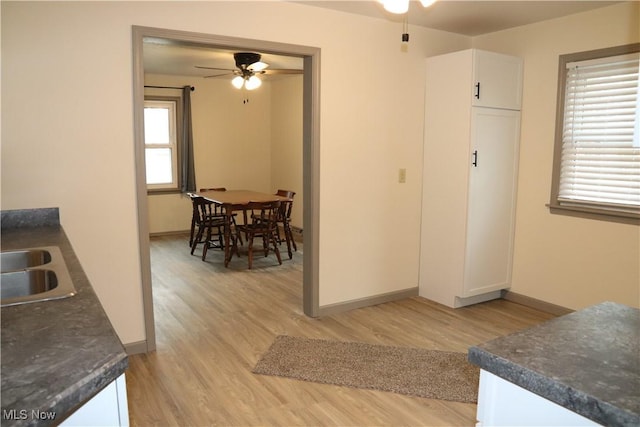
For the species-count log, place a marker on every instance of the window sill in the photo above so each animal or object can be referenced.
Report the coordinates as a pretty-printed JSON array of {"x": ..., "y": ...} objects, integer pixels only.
[
  {"x": 594, "y": 213},
  {"x": 161, "y": 191}
]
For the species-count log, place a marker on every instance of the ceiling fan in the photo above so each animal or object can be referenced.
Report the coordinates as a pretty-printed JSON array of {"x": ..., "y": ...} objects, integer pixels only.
[{"x": 248, "y": 68}]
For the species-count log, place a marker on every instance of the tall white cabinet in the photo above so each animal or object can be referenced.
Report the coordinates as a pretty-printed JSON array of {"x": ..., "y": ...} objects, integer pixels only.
[{"x": 472, "y": 131}]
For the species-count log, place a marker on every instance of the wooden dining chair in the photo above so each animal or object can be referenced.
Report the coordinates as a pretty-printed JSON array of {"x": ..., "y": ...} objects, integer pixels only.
[
  {"x": 194, "y": 217},
  {"x": 196, "y": 220},
  {"x": 260, "y": 220},
  {"x": 207, "y": 219},
  {"x": 284, "y": 220},
  {"x": 233, "y": 217}
]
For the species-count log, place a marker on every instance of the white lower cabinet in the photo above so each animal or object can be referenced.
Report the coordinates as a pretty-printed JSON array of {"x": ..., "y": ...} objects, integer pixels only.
[
  {"x": 491, "y": 200},
  {"x": 468, "y": 228},
  {"x": 107, "y": 408},
  {"x": 502, "y": 403}
]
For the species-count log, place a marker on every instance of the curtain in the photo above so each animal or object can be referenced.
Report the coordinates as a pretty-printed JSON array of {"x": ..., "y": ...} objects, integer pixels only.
[{"x": 188, "y": 181}]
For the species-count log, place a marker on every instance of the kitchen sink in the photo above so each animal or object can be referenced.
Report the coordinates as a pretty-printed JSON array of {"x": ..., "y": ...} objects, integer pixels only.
[
  {"x": 27, "y": 282},
  {"x": 33, "y": 275},
  {"x": 20, "y": 260}
]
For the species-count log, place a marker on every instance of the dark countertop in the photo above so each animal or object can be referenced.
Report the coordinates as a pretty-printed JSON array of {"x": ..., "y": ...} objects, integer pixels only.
[
  {"x": 587, "y": 362},
  {"x": 55, "y": 354}
]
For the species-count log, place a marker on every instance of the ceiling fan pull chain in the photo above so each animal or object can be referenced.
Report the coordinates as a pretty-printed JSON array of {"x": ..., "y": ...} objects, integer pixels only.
[{"x": 405, "y": 29}]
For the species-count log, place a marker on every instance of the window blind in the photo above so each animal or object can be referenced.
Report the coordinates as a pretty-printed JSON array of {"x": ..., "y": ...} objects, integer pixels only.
[{"x": 600, "y": 149}]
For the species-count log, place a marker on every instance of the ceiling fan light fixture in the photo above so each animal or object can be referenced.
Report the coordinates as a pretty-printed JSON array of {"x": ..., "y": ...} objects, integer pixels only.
[
  {"x": 427, "y": 3},
  {"x": 252, "y": 83},
  {"x": 245, "y": 59},
  {"x": 237, "y": 82},
  {"x": 396, "y": 6},
  {"x": 259, "y": 66}
]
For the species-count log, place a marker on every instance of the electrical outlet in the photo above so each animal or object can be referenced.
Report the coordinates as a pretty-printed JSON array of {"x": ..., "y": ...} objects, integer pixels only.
[{"x": 402, "y": 176}]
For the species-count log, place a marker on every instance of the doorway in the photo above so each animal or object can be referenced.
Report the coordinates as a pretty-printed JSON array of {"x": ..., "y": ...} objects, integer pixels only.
[{"x": 310, "y": 154}]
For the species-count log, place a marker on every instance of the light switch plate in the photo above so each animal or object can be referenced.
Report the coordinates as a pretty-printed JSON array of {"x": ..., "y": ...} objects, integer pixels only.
[{"x": 402, "y": 176}]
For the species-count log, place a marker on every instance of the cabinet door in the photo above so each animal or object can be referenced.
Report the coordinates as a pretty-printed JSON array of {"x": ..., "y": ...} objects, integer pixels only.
[
  {"x": 107, "y": 408},
  {"x": 501, "y": 403},
  {"x": 497, "y": 80},
  {"x": 492, "y": 196}
]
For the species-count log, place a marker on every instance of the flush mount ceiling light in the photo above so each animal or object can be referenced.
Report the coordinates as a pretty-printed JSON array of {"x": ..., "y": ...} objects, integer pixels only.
[
  {"x": 427, "y": 3},
  {"x": 396, "y": 6},
  {"x": 402, "y": 6}
]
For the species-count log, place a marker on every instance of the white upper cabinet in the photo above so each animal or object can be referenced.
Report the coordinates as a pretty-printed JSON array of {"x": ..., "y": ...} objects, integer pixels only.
[{"x": 497, "y": 80}]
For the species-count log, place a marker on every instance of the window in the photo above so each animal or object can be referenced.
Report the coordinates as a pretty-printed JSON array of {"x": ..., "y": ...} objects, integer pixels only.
[
  {"x": 597, "y": 152},
  {"x": 161, "y": 143}
]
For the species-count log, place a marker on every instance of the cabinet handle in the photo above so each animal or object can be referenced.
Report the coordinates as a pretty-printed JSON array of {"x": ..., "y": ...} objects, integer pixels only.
[
  {"x": 475, "y": 159},
  {"x": 478, "y": 90}
]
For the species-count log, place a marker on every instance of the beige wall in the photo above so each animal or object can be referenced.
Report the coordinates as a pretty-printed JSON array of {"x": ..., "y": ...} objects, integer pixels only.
[
  {"x": 67, "y": 95},
  {"x": 286, "y": 141},
  {"x": 564, "y": 260}
]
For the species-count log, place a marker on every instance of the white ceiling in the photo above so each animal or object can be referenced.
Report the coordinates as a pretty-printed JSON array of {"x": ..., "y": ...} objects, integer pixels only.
[
  {"x": 470, "y": 18},
  {"x": 162, "y": 56}
]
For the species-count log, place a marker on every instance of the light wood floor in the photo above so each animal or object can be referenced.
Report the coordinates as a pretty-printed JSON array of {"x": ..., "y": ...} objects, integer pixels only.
[{"x": 213, "y": 324}]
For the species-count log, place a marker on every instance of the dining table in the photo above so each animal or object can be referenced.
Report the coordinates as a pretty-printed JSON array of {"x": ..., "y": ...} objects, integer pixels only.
[{"x": 232, "y": 201}]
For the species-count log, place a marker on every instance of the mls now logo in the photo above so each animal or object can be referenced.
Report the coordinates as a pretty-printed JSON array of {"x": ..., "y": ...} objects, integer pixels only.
[{"x": 23, "y": 414}]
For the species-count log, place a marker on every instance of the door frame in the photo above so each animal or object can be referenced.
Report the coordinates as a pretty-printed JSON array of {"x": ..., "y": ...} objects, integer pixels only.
[{"x": 310, "y": 155}]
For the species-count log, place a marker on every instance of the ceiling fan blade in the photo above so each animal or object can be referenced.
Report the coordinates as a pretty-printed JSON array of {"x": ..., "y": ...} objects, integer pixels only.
[
  {"x": 213, "y": 68},
  {"x": 218, "y": 75},
  {"x": 282, "y": 71}
]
